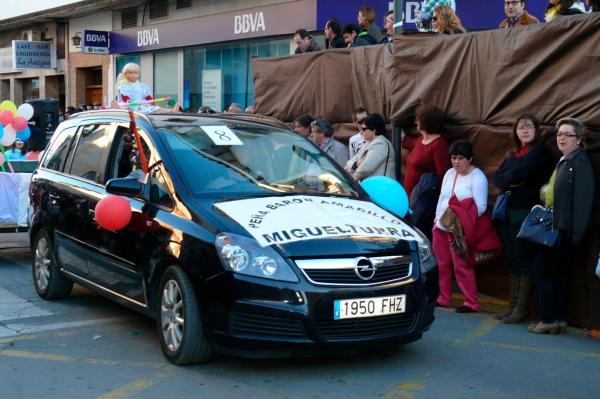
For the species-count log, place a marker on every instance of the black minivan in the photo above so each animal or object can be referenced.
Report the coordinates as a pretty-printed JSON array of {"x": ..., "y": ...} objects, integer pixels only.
[{"x": 243, "y": 236}]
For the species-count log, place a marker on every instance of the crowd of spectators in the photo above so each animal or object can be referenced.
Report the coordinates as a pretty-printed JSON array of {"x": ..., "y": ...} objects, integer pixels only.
[{"x": 435, "y": 15}]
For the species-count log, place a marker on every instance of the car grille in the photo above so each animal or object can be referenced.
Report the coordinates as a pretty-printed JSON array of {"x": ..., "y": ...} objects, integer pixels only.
[
  {"x": 342, "y": 272},
  {"x": 367, "y": 328},
  {"x": 242, "y": 323}
]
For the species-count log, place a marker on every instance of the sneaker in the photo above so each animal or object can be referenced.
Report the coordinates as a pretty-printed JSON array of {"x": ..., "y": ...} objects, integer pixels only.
[{"x": 465, "y": 309}]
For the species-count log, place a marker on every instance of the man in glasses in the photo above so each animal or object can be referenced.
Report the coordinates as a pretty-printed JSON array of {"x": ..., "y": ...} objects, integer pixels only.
[
  {"x": 388, "y": 25},
  {"x": 516, "y": 15}
]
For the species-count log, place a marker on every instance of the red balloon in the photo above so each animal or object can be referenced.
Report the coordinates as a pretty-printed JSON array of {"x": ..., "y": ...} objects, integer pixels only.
[
  {"x": 113, "y": 212},
  {"x": 6, "y": 117},
  {"x": 19, "y": 123}
]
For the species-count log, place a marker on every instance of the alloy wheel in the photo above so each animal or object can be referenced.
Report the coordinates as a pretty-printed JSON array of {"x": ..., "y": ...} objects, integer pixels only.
[
  {"x": 171, "y": 315},
  {"x": 42, "y": 264}
]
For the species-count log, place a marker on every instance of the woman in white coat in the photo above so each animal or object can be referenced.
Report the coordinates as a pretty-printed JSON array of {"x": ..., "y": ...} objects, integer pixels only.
[{"x": 377, "y": 157}]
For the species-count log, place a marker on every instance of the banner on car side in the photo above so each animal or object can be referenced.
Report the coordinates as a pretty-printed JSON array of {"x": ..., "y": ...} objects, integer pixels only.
[{"x": 281, "y": 220}]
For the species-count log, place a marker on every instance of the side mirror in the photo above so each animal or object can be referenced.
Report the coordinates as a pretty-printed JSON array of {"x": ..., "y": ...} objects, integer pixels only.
[{"x": 126, "y": 186}]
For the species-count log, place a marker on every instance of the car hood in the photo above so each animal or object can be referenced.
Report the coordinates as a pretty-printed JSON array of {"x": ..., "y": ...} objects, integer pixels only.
[{"x": 302, "y": 226}]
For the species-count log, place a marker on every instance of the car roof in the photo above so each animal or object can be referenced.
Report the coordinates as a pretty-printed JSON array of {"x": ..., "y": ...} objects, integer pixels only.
[{"x": 159, "y": 120}]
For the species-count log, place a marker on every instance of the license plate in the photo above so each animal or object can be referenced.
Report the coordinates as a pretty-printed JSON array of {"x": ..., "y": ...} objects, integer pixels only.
[{"x": 368, "y": 307}]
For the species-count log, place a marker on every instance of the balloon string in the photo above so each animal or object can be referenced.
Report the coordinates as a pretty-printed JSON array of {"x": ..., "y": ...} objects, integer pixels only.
[{"x": 6, "y": 161}]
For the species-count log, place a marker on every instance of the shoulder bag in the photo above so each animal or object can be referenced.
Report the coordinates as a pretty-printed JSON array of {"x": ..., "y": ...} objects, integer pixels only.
[
  {"x": 499, "y": 209},
  {"x": 537, "y": 227}
]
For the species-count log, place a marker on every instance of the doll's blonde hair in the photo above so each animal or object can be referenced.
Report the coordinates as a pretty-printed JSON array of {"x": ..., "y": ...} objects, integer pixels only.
[{"x": 121, "y": 79}]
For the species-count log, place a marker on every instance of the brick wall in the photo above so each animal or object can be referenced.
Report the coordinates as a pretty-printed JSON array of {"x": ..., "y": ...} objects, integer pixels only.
[{"x": 77, "y": 76}]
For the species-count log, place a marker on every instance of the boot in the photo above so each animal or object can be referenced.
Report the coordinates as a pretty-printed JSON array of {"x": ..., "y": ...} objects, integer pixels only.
[
  {"x": 521, "y": 311},
  {"x": 513, "y": 283}
]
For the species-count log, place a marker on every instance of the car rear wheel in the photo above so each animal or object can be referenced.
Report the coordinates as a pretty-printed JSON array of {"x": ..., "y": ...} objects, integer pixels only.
[
  {"x": 179, "y": 321},
  {"x": 49, "y": 282}
]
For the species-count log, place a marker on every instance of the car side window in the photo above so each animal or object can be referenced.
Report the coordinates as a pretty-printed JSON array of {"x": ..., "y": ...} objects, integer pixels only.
[
  {"x": 57, "y": 153},
  {"x": 159, "y": 191},
  {"x": 90, "y": 154}
]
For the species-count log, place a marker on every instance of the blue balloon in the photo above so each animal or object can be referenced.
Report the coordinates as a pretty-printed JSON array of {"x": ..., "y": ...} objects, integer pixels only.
[
  {"x": 24, "y": 134},
  {"x": 387, "y": 193},
  {"x": 1, "y": 131}
]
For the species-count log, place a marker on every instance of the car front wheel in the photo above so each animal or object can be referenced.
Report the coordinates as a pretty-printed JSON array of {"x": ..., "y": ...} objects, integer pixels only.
[
  {"x": 179, "y": 321},
  {"x": 49, "y": 282}
]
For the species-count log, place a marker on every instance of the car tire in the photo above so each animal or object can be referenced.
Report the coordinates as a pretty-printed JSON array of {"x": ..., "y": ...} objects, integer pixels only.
[
  {"x": 179, "y": 320},
  {"x": 49, "y": 282}
]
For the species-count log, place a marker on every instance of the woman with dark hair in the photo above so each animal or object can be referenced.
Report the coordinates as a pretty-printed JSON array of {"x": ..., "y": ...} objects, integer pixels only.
[
  {"x": 563, "y": 7},
  {"x": 446, "y": 21},
  {"x": 36, "y": 144},
  {"x": 520, "y": 176},
  {"x": 377, "y": 157},
  {"x": 17, "y": 151},
  {"x": 428, "y": 152},
  {"x": 464, "y": 187},
  {"x": 366, "y": 20},
  {"x": 570, "y": 194}
]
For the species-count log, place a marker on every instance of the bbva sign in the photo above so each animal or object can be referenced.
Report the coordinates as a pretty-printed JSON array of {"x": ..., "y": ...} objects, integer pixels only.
[
  {"x": 147, "y": 37},
  {"x": 251, "y": 22}
]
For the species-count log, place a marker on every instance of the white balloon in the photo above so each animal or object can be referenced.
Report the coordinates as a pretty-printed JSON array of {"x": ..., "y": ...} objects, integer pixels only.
[
  {"x": 25, "y": 110},
  {"x": 9, "y": 136}
]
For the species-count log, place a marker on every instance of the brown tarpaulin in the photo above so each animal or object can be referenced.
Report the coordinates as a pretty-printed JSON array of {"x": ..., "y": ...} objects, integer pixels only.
[{"x": 485, "y": 79}]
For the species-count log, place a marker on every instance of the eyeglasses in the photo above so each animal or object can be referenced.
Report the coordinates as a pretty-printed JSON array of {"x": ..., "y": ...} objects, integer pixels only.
[
  {"x": 363, "y": 128},
  {"x": 389, "y": 20},
  {"x": 559, "y": 134}
]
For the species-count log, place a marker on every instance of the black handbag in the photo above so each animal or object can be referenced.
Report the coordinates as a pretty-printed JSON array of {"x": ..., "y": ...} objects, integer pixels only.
[
  {"x": 537, "y": 227},
  {"x": 499, "y": 209}
]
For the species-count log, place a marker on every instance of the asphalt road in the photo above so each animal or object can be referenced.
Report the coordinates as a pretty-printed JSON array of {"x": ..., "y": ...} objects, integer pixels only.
[{"x": 87, "y": 347}]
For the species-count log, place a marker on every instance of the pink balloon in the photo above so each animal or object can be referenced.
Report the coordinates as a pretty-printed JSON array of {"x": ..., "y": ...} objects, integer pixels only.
[
  {"x": 19, "y": 123},
  {"x": 2, "y": 160},
  {"x": 6, "y": 117},
  {"x": 113, "y": 212}
]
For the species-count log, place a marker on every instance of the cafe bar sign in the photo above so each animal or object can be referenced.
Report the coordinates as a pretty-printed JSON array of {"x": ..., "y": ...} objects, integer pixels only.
[{"x": 33, "y": 54}]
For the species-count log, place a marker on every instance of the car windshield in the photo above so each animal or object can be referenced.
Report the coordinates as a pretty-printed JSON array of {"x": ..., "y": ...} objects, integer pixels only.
[{"x": 250, "y": 159}]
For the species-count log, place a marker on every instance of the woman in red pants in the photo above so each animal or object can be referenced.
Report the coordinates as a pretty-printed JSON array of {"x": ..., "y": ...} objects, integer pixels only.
[{"x": 466, "y": 186}]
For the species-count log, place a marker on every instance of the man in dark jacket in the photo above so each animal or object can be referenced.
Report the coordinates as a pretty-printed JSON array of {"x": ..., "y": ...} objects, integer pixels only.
[
  {"x": 333, "y": 35},
  {"x": 355, "y": 39},
  {"x": 516, "y": 14}
]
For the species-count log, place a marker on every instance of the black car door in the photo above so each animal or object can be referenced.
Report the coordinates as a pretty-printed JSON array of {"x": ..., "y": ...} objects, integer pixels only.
[
  {"x": 118, "y": 257},
  {"x": 65, "y": 221}
]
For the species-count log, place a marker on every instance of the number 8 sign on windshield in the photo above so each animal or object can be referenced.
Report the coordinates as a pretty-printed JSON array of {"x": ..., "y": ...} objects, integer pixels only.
[{"x": 222, "y": 135}]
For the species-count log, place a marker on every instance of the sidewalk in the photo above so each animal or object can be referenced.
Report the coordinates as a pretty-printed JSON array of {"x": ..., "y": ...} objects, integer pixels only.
[
  {"x": 488, "y": 304},
  {"x": 14, "y": 240}
]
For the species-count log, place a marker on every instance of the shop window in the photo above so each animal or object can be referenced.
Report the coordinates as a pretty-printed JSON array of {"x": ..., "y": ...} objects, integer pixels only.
[
  {"x": 159, "y": 9},
  {"x": 165, "y": 74},
  {"x": 129, "y": 17},
  {"x": 184, "y": 4},
  {"x": 233, "y": 62}
]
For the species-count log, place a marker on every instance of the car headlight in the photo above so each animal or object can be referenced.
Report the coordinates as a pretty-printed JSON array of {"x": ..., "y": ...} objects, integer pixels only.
[
  {"x": 426, "y": 258},
  {"x": 244, "y": 255}
]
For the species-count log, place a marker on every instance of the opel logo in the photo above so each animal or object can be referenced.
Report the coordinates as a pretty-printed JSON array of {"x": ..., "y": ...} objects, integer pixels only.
[{"x": 364, "y": 269}]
